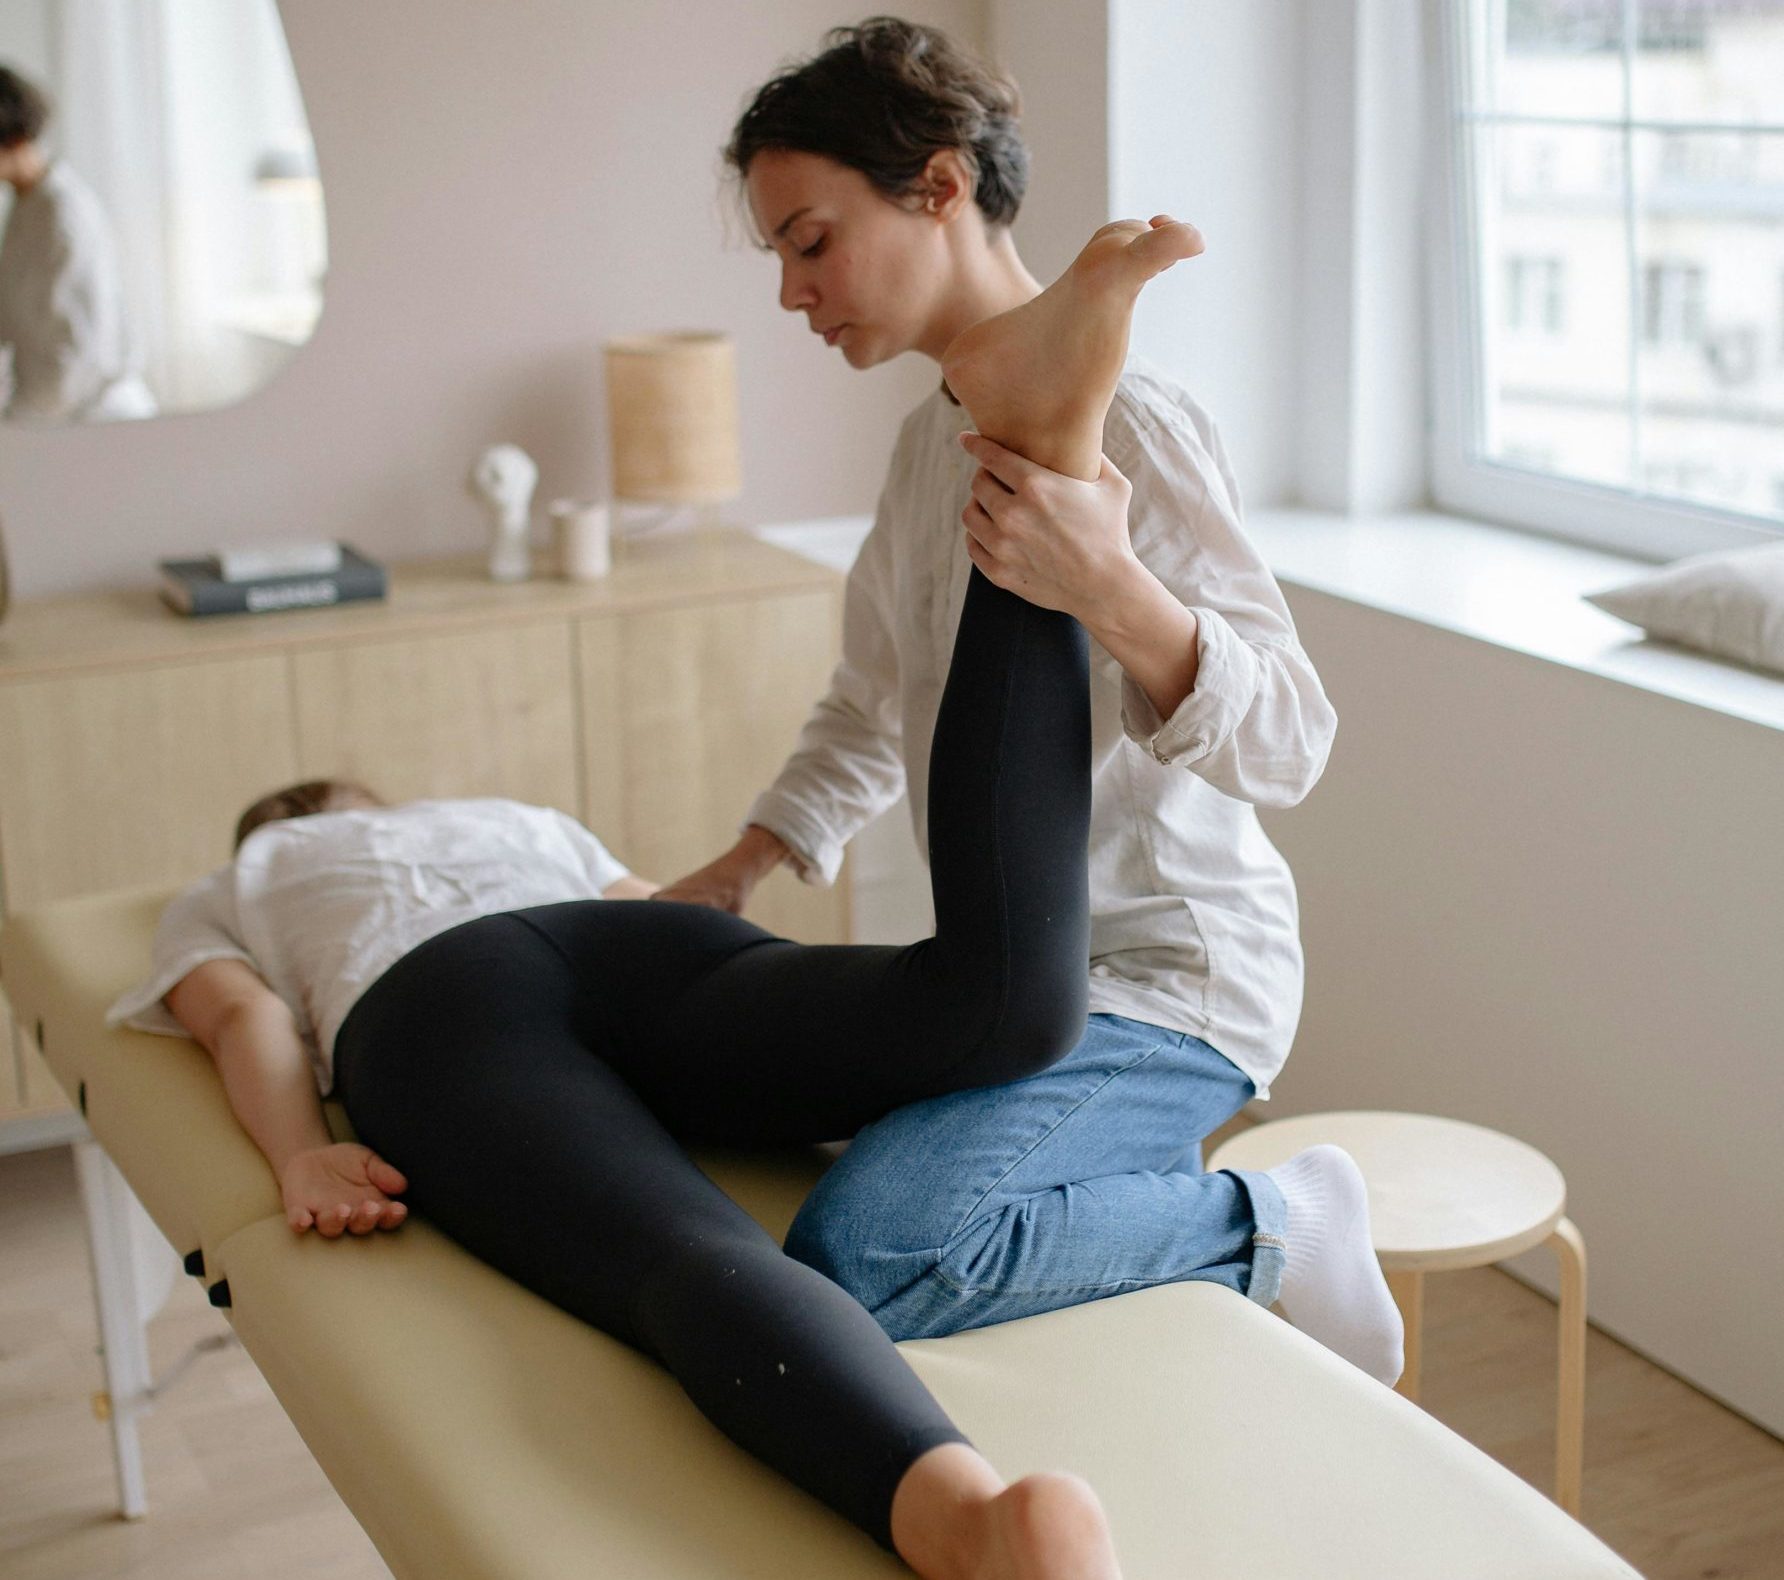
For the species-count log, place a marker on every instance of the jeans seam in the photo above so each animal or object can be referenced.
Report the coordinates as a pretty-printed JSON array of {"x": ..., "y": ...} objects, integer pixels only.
[{"x": 966, "y": 1218}]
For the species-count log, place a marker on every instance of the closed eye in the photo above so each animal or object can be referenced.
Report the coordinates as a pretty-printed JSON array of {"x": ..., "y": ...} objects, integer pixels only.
[{"x": 814, "y": 249}]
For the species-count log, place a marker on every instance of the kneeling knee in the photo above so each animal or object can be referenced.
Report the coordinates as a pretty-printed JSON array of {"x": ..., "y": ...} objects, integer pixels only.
[{"x": 824, "y": 1244}]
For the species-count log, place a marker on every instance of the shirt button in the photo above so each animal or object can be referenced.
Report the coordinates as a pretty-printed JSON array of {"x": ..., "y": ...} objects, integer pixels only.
[{"x": 1160, "y": 756}]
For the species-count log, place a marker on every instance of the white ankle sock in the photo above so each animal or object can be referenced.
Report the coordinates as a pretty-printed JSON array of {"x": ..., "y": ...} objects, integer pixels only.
[{"x": 1332, "y": 1286}]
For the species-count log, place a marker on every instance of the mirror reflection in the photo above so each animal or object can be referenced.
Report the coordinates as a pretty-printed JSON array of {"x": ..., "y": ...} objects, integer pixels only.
[{"x": 162, "y": 237}]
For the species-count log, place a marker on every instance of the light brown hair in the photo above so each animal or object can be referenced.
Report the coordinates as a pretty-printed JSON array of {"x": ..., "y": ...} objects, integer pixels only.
[{"x": 304, "y": 800}]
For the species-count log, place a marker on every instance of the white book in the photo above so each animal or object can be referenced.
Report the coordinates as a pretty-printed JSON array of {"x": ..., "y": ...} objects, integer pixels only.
[{"x": 255, "y": 561}]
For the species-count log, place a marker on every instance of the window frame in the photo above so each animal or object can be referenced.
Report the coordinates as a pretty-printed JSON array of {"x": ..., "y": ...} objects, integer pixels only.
[{"x": 1626, "y": 521}]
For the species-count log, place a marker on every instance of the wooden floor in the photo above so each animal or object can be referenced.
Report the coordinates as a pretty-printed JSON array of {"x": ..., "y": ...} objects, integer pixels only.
[{"x": 1683, "y": 1488}]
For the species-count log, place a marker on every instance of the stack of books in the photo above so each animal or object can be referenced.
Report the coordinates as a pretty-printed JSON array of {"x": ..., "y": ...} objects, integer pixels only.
[{"x": 260, "y": 578}]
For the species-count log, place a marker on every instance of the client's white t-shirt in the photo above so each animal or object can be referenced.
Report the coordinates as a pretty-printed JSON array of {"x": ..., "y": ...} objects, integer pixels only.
[{"x": 322, "y": 906}]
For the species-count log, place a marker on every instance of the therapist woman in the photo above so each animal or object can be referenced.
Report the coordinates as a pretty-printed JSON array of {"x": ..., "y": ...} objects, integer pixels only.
[{"x": 884, "y": 175}]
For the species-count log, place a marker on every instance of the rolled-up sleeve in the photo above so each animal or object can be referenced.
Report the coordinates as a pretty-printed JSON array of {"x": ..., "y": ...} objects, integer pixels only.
[
  {"x": 847, "y": 766},
  {"x": 1257, "y": 724}
]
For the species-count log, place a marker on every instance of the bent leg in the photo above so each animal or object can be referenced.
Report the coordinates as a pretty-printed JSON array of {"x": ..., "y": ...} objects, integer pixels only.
[
  {"x": 468, "y": 1063},
  {"x": 736, "y": 1035},
  {"x": 1065, "y": 1187}
]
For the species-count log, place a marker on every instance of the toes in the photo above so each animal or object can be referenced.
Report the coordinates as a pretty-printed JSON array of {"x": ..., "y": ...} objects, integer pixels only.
[{"x": 1168, "y": 241}]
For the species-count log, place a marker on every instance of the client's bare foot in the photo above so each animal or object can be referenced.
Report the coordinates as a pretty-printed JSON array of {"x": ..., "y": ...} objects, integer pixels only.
[
  {"x": 954, "y": 1519},
  {"x": 1048, "y": 1527},
  {"x": 1039, "y": 378}
]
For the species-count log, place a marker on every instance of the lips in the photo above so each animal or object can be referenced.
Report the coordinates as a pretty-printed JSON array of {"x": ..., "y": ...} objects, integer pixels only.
[{"x": 830, "y": 335}]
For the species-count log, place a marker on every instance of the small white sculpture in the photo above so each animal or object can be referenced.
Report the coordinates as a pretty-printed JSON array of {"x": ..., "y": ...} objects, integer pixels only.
[{"x": 504, "y": 478}]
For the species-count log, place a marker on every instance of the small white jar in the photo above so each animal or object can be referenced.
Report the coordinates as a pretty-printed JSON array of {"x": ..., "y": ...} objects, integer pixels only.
[{"x": 583, "y": 536}]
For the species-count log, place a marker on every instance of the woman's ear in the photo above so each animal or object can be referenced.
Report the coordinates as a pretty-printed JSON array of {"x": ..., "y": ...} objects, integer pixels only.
[{"x": 947, "y": 184}]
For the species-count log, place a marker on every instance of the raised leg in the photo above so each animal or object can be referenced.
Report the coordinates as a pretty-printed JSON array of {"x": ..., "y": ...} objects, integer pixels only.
[
  {"x": 1408, "y": 1290},
  {"x": 1570, "y": 1403}
]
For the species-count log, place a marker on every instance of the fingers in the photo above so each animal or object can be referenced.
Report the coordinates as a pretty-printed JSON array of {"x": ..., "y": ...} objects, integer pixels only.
[
  {"x": 358, "y": 1218},
  {"x": 979, "y": 525},
  {"x": 1009, "y": 468},
  {"x": 385, "y": 1176},
  {"x": 987, "y": 492}
]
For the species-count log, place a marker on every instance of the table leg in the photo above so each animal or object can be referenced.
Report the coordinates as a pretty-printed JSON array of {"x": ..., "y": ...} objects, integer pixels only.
[
  {"x": 123, "y": 1345},
  {"x": 1570, "y": 1402},
  {"x": 1408, "y": 1290}
]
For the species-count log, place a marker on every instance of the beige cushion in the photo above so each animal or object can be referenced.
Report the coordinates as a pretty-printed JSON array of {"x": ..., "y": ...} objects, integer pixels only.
[
  {"x": 1730, "y": 603},
  {"x": 479, "y": 1433}
]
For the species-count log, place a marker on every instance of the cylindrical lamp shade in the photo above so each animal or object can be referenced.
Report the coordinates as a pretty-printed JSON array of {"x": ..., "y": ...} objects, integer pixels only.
[{"x": 672, "y": 418}]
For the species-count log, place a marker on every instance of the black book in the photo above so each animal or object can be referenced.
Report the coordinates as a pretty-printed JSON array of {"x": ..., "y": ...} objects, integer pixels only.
[{"x": 194, "y": 587}]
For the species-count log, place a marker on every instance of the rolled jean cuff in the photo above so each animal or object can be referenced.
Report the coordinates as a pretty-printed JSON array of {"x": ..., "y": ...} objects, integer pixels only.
[{"x": 1269, "y": 1240}]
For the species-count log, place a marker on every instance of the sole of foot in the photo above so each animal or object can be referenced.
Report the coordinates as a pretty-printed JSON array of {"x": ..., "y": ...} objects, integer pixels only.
[{"x": 1038, "y": 379}]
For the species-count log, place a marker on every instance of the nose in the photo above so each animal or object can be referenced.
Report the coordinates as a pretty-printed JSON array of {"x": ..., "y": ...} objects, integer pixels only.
[{"x": 796, "y": 293}]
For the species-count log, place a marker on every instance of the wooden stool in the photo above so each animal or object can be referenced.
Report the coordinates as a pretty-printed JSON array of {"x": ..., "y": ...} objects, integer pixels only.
[{"x": 1444, "y": 1194}]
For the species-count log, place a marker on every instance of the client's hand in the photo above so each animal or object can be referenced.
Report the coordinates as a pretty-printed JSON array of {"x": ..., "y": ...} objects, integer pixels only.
[{"x": 342, "y": 1188}]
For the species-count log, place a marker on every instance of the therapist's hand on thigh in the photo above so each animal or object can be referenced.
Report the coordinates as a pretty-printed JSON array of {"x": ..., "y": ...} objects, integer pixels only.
[{"x": 726, "y": 884}]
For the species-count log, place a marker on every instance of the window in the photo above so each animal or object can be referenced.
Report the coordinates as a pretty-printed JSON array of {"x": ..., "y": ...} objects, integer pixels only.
[
  {"x": 1616, "y": 176},
  {"x": 1534, "y": 298},
  {"x": 1672, "y": 304}
]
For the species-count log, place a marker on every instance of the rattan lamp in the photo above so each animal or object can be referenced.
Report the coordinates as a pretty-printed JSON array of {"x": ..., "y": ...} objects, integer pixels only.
[{"x": 672, "y": 423}]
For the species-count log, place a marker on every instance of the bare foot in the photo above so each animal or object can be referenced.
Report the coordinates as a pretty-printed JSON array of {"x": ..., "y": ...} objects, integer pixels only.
[
  {"x": 1039, "y": 378},
  {"x": 1048, "y": 1527},
  {"x": 954, "y": 1519}
]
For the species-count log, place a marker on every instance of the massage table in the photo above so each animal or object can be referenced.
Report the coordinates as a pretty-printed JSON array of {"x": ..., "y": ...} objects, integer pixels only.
[{"x": 479, "y": 1433}]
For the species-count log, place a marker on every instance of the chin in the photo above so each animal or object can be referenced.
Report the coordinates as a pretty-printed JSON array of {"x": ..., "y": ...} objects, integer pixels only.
[{"x": 862, "y": 352}]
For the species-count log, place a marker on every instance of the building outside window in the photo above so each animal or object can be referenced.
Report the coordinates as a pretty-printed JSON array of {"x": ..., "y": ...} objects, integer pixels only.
[
  {"x": 1672, "y": 304},
  {"x": 1535, "y": 295},
  {"x": 1617, "y": 170}
]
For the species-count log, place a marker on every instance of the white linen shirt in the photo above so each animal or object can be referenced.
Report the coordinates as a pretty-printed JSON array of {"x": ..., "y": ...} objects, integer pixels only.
[
  {"x": 321, "y": 906},
  {"x": 1194, "y": 920},
  {"x": 62, "y": 308}
]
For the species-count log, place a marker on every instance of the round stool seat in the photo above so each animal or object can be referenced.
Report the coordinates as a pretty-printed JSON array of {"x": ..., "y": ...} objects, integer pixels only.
[{"x": 1443, "y": 1194}]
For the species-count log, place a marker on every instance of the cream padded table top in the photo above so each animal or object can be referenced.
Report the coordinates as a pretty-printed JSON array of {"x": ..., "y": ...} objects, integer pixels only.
[
  {"x": 479, "y": 1433},
  {"x": 1443, "y": 1193}
]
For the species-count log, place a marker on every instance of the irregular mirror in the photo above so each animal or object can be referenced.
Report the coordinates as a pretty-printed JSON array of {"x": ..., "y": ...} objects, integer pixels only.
[{"x": 162, "y": 241}]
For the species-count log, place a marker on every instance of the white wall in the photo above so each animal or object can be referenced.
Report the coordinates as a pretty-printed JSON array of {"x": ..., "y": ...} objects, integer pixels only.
[
  {"x": 507, "y": 186},
  {"x": 1208, "y": 126},
  {"x": 1547, "y": 902},
  {"x": 1059, "y": 56}
]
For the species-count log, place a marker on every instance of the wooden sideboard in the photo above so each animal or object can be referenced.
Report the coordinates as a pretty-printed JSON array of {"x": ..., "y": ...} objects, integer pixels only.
[{"x": 653, "y": 705}]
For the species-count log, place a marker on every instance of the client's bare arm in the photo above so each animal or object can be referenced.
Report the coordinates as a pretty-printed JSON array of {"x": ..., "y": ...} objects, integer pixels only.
[{"x": 249, "y": 1031}]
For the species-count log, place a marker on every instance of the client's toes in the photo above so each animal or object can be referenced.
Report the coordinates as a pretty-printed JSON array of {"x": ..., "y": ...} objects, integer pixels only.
[{"x": 1168, "y": 241}]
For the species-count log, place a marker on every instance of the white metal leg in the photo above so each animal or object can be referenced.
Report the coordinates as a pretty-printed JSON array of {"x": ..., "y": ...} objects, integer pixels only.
[{"x": 128, "y": 1287}]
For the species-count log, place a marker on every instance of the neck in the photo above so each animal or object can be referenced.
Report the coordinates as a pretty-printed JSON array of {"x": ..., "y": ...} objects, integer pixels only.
[
  {"x": 26, "y": 169},
  {"x": 993, "y": 280}
]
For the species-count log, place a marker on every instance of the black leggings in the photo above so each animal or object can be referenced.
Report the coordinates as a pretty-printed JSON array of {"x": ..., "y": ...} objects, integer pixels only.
[{"x": 534, "y": 1073}]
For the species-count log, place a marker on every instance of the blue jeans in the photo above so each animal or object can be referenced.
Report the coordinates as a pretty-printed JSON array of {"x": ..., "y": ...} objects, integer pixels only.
[{"x": 1080, "y": 1182}]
